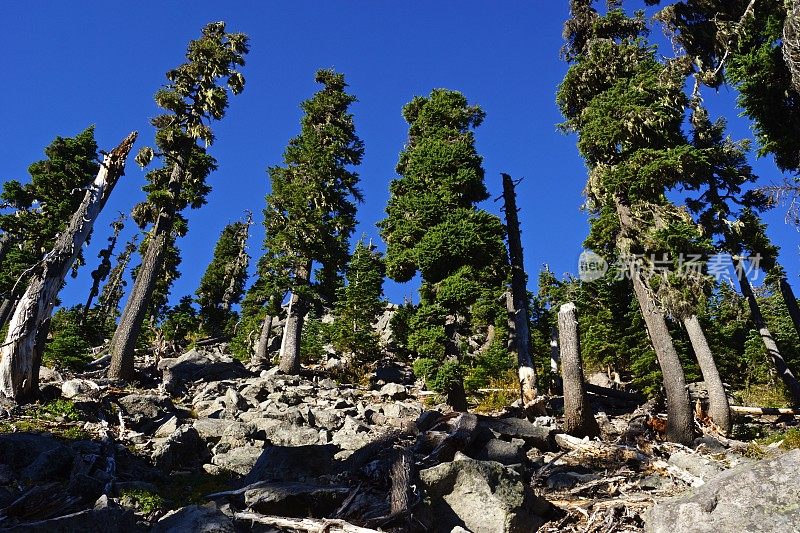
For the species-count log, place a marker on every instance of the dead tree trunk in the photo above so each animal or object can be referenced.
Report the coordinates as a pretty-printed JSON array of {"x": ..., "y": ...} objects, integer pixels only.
[
  {"x": 771, "y": 346},
  {"x": 298, "y": 307},
  {"x": 112, "y": 290},
  {"x": 130, "y": 323},
  {"x": 6, "y": 308},
  {"x": 680, "y": 420},
  {"x": 578, "y": 417},
  {"x": 260, "y": 356},
  {"x": 718, "y": 409},
  {"x": 19, "y": 369},
  {"x": 239, "y": 266},
  {"x": 555, "y": 357},
  {"x": 518, "y": 304}
]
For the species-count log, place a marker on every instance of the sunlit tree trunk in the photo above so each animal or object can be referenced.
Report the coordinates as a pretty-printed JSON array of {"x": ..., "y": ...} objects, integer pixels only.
[
  {"x": 298, "y": 307},
  {"x": 579, "y": 420},
  {"x": 719, "y": 410}
]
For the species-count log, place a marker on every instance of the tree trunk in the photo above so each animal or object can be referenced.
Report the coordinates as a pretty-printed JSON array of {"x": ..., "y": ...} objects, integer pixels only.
[
  {"x": 579, "y": 420},
  {"x": 298, "y": 307},
  {"x": 791, "y": 302},
  {"x": 680, "y": 420},
  {"x": 774, "y": 353},
  {"x": 239, "y": 265},
  {"x": 19, "y": 369},
  {"x": 518, "y": 303},
  {"x": 130, "y": 323},
  {"x": 719, "y": 410},
  {"x": 6, "y": 308},
  {"x": 555, "y": 357},
  {"x": 261, "y": 357}
]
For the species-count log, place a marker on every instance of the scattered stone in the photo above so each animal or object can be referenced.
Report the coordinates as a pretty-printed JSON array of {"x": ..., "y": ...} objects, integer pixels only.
[
  {"x": 146, "y": 412},
  {"x": 695, "y": 464},
  {"x": 79, "y": 387},
  {"x": 394, "y": 391},
  {"x": 292, "y": 463},
  {"x": 197, "y": 519},
  {"x": 296, "y": 499}
]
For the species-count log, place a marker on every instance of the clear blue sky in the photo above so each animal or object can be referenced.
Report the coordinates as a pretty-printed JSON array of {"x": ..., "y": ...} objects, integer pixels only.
[{"x": 71, "y": 64}]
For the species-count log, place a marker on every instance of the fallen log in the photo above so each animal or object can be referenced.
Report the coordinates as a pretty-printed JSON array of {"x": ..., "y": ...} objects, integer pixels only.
[
  {"x": 764, "y": 411},
  {"x": 633, "y": 397},
  {"x": 310, "y": 525}
]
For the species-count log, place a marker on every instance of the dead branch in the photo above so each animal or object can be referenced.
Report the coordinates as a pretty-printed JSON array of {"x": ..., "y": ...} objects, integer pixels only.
[{"x": 310, "y": 525}]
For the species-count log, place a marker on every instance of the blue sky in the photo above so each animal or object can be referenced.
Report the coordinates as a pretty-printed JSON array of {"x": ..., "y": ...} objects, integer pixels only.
[{"x": 71, "y": 64}]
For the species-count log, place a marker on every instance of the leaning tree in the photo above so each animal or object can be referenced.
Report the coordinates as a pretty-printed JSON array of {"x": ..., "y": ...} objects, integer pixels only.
[
  {"x": 196, "y": 94},
  {"x": 311, "y": 208}
]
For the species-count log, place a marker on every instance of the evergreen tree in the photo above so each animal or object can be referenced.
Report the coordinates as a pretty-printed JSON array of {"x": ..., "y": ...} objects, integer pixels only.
[
  {"x": 311, "y": 209},
  {"x": 192, "y": 98},
  {"x": 434, "y": 227},
  {"x": 104, "y": 268},
  {"x": 628, "y": 108},
  {"x": 222, "y": 285},
  {"x": 359, "y": 305},
  {"x": 113, "y": 290},
  {"x": 37, "y": 211}
]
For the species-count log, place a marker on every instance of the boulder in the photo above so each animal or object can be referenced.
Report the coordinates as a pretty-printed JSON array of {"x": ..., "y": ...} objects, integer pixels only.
[
  {"x": 394, "y": 391},
  {"x": 501, "y": 451},
  {"x": 18, "y": 450},
  {"x": 51, "y": 464},
  {"x": 79, "y": 387},
  {"x": 540, "y": 436},
  {"x": 481, "y": 496},
  {"x": 296, "y": 499},
  {"x": 762, "y": 496},
  {"x": 104, "y": 516},
  {"x": 197, "y": 365},
  {"x": 240, "y": 460},
  {"x": 146, "y": 412},
  {"x": 292, "y": 463},
  {"x": 197, "y": 519},
  {"x": 184, "y": 448},
  {"x": 695, "y": 464}
]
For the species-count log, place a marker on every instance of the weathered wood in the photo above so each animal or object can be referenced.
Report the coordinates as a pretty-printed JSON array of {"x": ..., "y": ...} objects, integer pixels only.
[
  {"x": 518, "y": 301},
  {"x": 578, "y": 417},
  {"x": 764, "y": 411},
  {"x": 260, "y": 355},
  {"x": 19, "y": 368},
  {"x": 538, "y": 436},
  {"x": 310, "y": 525},
  {"x": 295, "y": 316},
  {"x": 625, "y": 396}
]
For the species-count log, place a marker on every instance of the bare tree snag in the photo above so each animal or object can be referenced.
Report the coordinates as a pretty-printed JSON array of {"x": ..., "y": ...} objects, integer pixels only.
[
  {"x": 518, "y": 303},
  {"x": 719, "y": 409},
  {"x": 578, "y": 417},
  {"x": 19, "y": 368},
  {"x": 260, "y": 355},
  {"x": 791, "y": 302},
  {"x": 771, "y": 346},
  {"x": 295, "y": 316}
]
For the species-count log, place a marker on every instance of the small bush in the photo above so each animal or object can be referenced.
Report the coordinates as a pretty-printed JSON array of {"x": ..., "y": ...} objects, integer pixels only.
[
  {"x": 144, "y": 501},
  {"x": 59, "y": 408}
]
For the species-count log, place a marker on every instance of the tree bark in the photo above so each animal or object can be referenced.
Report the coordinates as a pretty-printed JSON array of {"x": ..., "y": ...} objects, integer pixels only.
[
  {"x": 771, "y": 346},
  {"x": 791, "y": 302},
  {"x": 518, "y": 303},
  {"x": 130, "y": 323},
  {"x": 298, "y": 307},
  {"x": 555, "y": 357},
  {"x": 579, "y": 420},
  {"x": 680, "y": 420},
  {"x": 260, "y": 356},
  {"x": 19, "y": 369},
  {"x": 6, "y": 308},
  {"x": 719, "y": 410}
]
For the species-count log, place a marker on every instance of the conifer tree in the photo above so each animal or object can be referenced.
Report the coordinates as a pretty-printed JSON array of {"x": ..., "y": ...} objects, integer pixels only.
[
  {"x": 113, "y": 290},
  {"x": 104, "y": 268},
  {"x": 311, "y": 210},
  {"x": 194, "y": 96},
  {"x": 627, "y": 109},
  {"x": 434, "y": 227},
  {"x": 40, "y": 209},
  {"x": 222, "y": 285},
  {"x": 359, "y": 305}
]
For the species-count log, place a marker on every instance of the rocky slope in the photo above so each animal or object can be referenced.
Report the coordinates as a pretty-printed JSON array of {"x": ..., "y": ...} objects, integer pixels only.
[{"x": 214, "y": 446}]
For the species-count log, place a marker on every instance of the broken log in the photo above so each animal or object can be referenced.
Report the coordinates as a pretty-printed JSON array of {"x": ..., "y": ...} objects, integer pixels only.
[
  {"x": 310, "y": 525},
  {"x": 764, "y": 411},
  {"x": 632, "y": 397}
]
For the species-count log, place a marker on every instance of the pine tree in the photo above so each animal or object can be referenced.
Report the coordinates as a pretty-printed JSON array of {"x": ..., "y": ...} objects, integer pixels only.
[
  {"x": 113, "y": 290},
  {"x": 40, "y": 209},
  {"x": 100, "y": 274},
  {"x": 359, "y": 305},
  {"x": 627, "y": 108},
  {"x": 434, "y": 227},
  {"x": 192, "y": 98},
  {"x": 222, "y": 285},
  {"x": 311, "y": 211}
]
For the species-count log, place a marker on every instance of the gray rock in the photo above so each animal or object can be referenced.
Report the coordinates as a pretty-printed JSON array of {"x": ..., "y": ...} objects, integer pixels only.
[
  {"x": 762, "y": 496},
  {"x": 19, "y": 450},
  {"x": 292, "y": 463},
  {"x": 240, "y": 460},
  {"x": 167, "y": 428},
  {"x": 695, "y": 464},
  {"x": 215, "y": 428},
  {"x": 483, "y": 496},
  {"x": 146, "y": 412},
  {"x": 394, "y": 391},
  {"x": 79, "y": 387},
  {"x": 51, "y": 464},
  {"x": 184, "y": 448},
  {"x": 105, "y": 516},
  {"x": 196, "y": 365},
  {"x": 197, "y": 519},
  {"x": 296, "y": 499},
  {"x": 519, "y": 428},
  {"x": 49, "y": 375},
  {"x": 501, "y": 451}
]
